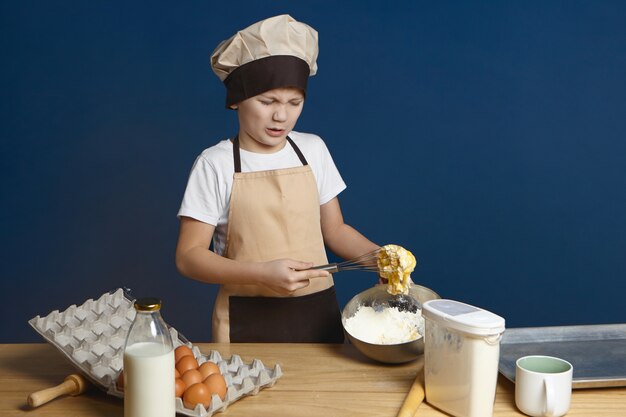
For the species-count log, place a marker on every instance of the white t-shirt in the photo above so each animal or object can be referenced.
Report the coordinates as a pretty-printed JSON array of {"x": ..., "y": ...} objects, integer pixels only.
[{"x": 207, "y": 197}]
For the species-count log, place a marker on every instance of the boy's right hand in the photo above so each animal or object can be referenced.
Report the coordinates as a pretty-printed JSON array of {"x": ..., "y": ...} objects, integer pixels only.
[{"x": 286, "y": 276}]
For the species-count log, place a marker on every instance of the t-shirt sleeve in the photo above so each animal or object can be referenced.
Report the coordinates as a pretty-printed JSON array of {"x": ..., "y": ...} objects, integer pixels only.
[
  {"x": 330, "y": 181},
  {"x": 201, "y": 199}
]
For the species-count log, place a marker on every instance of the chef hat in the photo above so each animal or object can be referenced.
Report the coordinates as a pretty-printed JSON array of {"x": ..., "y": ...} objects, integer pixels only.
[{"x": 273, "y": 53}]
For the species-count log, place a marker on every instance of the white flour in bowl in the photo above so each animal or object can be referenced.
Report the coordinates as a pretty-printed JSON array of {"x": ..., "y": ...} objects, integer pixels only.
[{"x": 388, "y": 326}]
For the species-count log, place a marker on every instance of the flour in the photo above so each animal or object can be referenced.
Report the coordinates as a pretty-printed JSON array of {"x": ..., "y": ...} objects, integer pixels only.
[
  {"x": 461, "y": 357},
  {"x": 388, "y": 326}
]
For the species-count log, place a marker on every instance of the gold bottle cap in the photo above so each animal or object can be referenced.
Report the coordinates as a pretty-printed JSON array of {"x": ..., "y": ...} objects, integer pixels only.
[{"x": 147, "y": 304}]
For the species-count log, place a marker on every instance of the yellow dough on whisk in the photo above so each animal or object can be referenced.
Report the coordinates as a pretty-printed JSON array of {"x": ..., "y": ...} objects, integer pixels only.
[{"x": 396, "y": 264}]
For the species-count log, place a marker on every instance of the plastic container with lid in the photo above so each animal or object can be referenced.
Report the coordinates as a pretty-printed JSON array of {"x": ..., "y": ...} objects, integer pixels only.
[{"x": 461, "y": 354}]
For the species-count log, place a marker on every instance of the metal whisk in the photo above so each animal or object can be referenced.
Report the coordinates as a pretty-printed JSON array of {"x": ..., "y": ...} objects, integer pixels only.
[{"x": 366, "y": 262}]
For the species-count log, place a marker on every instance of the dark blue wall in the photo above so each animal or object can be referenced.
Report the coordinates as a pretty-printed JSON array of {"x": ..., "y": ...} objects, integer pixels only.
[{"x": 487, "y": 137}]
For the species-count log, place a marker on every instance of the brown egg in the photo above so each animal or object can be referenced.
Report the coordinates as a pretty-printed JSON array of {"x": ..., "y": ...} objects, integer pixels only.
[
  {"x": 197, "y": 394},
  {"x": 180, "y": 387},
  {"x": 208, "y": 368},
  {"x": 186, "y": 363},
  {"x": 176, "y": 373},
  {"x": 120, "y": 381},
  {"x": 192, "y": 376},
  {"x": 216, "y": 385},
  {"x": 182, "y": 351}
]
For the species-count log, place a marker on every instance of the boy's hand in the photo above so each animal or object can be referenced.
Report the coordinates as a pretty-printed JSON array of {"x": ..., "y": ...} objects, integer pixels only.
[{"x": 286, "y": 276}]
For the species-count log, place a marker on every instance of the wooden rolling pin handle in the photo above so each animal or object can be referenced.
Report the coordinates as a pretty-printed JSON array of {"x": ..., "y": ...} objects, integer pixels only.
[
  {"x": 414, "y": 398},
  {"x": 73, "y": 384}
]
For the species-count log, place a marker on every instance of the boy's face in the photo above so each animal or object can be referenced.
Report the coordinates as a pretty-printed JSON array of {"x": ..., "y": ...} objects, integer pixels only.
[{"x": 266, "y": 120}]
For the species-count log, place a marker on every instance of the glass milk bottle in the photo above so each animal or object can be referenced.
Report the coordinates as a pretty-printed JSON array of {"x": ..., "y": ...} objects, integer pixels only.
[{"x": 149, "y": 389}]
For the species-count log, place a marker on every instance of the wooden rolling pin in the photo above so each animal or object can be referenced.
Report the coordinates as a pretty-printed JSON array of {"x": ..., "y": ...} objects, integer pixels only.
[
  {"x": 73, "y": 384},
  {"x": 415, "y": 396}
]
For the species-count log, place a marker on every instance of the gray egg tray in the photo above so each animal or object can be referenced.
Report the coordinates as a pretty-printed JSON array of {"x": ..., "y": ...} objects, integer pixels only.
[{"x": 92, "y": 337}]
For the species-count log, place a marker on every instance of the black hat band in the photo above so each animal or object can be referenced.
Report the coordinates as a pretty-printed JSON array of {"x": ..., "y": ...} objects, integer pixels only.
[{"x": 264, "y": 74}]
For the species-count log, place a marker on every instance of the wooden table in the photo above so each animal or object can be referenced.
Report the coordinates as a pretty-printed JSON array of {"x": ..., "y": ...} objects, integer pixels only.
[{"x": 318, "y": 380}]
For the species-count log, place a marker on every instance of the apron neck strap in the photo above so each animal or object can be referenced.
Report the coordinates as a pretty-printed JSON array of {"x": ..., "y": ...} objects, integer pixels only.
[
  {"x": 237, "y": 153},
  {"x": 298, "y": 152}
]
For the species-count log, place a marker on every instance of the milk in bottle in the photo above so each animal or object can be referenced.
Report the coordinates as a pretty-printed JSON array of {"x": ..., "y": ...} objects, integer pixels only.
[{"x": 149, "y": 389}]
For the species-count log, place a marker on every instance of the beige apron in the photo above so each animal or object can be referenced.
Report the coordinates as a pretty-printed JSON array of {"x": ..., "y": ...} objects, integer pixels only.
[{"x": 273, "y": 214}]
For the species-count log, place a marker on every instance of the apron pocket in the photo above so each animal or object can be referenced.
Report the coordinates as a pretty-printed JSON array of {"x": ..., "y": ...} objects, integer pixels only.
[{"x": 311, "y": 318}]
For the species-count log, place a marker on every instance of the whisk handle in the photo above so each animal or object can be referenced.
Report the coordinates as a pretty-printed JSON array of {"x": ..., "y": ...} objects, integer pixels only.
[{"x": 330, "y": 268}]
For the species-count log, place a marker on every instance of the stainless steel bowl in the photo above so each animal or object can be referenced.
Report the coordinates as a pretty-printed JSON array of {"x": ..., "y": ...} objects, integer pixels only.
[{"x": 378, "y": 297}]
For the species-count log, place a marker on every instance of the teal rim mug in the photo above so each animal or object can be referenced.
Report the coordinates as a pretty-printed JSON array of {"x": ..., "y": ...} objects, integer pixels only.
[{"x": 543, "y": 385}]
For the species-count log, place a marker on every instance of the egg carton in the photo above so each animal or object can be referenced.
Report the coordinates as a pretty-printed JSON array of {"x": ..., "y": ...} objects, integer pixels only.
[{"x": 92, "y": 336}]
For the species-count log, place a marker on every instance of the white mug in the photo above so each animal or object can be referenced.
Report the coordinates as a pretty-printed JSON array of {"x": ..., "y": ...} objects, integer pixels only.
[{"x": 543, "y": 386}]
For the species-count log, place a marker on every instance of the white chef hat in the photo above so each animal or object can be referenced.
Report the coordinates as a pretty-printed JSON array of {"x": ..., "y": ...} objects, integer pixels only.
[{"x": 275, "y": 52}]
